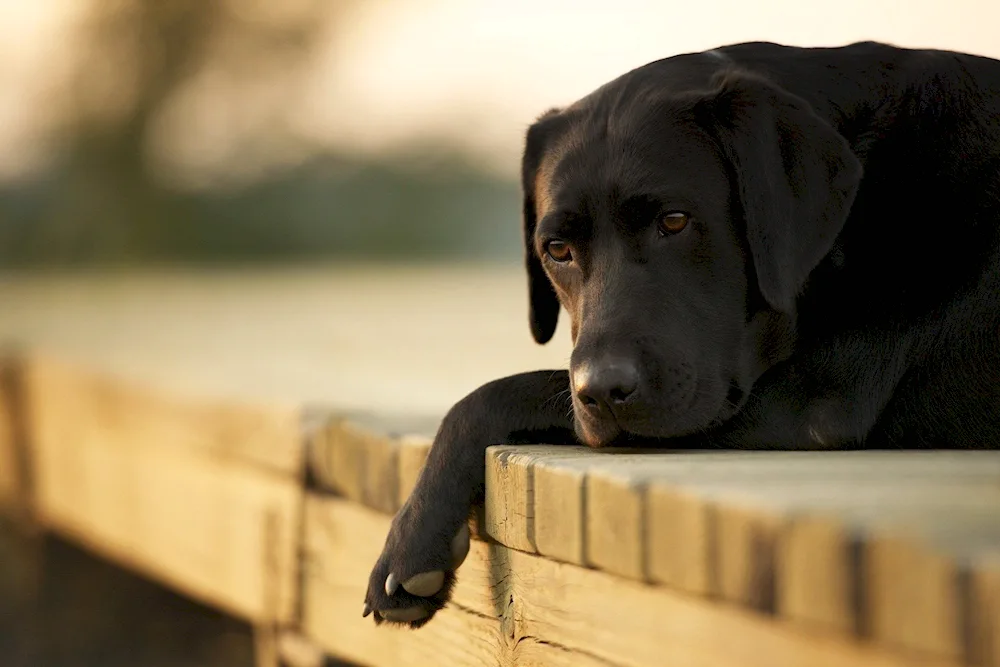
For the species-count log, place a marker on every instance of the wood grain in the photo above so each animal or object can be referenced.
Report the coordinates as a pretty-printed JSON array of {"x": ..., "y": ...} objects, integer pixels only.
[
  {"x": 168, "y": 491},
  {"x": 807, "y": 536},
  {"x": 509, "y": 512},
  {"x": 560, "y": 506},
  {"x": 517, "y": 608},
  {"x": 358, "y": 457},
  {"x": 984, "y": 599}
]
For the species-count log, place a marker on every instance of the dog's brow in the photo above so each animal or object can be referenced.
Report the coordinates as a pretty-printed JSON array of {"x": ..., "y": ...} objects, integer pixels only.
[
  {"x": 543, "y": 197},
  {"x": 546, "y": 169}
]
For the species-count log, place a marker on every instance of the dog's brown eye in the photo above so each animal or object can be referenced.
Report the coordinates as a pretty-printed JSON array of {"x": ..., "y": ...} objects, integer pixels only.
[
  {"x": 673, "y": 222},
  {"x": 558, "y": 251}
]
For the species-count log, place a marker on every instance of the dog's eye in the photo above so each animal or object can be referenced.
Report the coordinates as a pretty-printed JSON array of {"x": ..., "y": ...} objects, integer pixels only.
[
  {"x": 673, "y": 222},
  {"x": 558, "y": 251}
]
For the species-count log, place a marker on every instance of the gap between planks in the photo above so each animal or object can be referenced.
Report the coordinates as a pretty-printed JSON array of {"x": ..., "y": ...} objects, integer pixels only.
[
  {"x": 515, "y": 608},
  {"x": 898, "y": 547}
]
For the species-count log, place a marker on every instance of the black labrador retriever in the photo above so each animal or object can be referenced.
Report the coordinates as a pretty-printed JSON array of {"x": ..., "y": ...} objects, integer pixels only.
[{"x": 758, "y": 247}]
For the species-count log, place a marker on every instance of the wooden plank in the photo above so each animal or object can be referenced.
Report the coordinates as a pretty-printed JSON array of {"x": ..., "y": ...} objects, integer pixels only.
[
  {"x": 358, "y": 457},
  {"x": 343, "y": 540},
  {"x": 615, "y": 517},
  {"x": 680, "y": 529},
  {"x": 509, "y": 512},
  {"x": 560, "y": 506},
  {"x": 157, "y": 487},
  {"x": 984, "y": 628},
  {"x": 819, "y": 573},
  {"x": 766, "y": 531},
  {"x": 878, "y": 557},
  {"x": 918, "y": 594},
  {"x": 294, "y": 650},
  {"x": 513, "y": 607},
  {"x": 509, "y": 515},
  {"x": 791, "y": 546},
  {"x": 268, "y": 435},
  {"x": 740, "y": 501}
]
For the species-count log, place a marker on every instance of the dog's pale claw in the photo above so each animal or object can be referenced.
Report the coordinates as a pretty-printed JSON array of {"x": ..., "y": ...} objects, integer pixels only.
[
  {"x": 366, "y": 612},
  {"x": 425, "y": 583},
  {"x": 460, "y": 546},
  {"x": 391, "y": 584},
  {"x": 407, "y": 615}
]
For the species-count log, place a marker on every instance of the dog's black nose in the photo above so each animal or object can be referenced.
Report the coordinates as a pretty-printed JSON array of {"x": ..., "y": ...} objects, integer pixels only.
[{"x": 606, "y": 384}]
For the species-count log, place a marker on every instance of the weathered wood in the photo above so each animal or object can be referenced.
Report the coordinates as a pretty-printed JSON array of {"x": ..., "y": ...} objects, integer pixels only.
[
  {"x": 778, "y": 532},
  {"x": 360, "y": 465},
  {"x": 795, "y": 533},
  {"x": 984, "y": 600},
  {"x": 168, "y": 489},
  {"x": 615, "y": 517},
  {"x": 268, "y": 434},
  {"x": 509, "y": 512},
  {"x": 832, "y": 555},
  {"x": 680, "y": 529},
  {"x": 517, "y": 608},
  {"x": 723, "y": 519},
  {"x": 294, "y": 650},
  {"x": 917, "y": 593},
  {"x": 510, "y": 489},
  {"x": 818, "y": 574},
  {"x": 358, "y": 457},
  {"x": 560, "y": 506}
]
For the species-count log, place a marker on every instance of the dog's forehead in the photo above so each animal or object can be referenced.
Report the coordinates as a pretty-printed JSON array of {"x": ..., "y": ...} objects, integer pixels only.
[{"x": 650, "y": 150}]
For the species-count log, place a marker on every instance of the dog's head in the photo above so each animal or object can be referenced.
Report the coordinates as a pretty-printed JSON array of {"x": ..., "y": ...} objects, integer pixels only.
[{"x": 676, "y": 214}]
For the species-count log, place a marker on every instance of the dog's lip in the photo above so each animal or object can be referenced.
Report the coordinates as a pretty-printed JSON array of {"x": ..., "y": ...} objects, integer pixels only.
[{"x": 596, "y": 433}]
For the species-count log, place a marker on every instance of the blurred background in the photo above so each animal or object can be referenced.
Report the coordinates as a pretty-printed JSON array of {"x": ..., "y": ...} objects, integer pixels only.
[
  {"x": 182, "y": 131},
  {"x": 151, "y": 133}
]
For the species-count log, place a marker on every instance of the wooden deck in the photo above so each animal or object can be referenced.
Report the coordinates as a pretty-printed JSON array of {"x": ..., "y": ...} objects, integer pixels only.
[{"x": 166, "y": 422}]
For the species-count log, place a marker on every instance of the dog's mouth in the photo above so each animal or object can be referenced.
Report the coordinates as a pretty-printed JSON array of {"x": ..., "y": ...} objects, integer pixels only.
[
  {"x": 596, "y": 434},
  {"x": 612, "y": 431}
]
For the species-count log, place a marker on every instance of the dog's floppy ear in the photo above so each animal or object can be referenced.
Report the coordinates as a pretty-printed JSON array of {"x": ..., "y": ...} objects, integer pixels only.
[
  {"x": 796, "y": 176},
  {"x": 543, "y": 312}
]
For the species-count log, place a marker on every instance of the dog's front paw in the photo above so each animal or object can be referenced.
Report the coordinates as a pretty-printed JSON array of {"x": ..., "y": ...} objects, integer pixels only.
[{"x": 414, "y": 576}]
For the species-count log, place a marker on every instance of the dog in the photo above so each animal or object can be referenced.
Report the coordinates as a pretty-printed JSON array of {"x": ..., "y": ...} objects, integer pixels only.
[{"x": 758, "y": 246}]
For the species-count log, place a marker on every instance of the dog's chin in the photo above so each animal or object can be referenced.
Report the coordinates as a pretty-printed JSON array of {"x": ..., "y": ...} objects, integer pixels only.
[
  {"x": 636, "y": 433},
  {"x": 598, "y": 434}
]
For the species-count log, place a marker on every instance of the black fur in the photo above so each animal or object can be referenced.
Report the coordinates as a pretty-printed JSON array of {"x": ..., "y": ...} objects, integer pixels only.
[{"x": 838, "y": 285}]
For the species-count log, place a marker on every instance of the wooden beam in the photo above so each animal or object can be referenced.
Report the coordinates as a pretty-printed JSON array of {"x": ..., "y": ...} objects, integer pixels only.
[
  {"x": 812, "y": 537},
  {"x": 169, "y": 490},
  {"x": 514, "y": 608},
  {"x": 358, "y": 457},
  {"x": 984, "y": 593}
]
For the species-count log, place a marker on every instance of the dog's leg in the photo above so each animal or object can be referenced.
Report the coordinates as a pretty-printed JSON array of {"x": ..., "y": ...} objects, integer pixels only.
[{"x": 429, "y": 536}]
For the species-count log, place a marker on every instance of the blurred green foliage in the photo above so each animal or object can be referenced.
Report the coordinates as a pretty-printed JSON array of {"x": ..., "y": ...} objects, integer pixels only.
[
  {"x": 332, "y": 207},
  {"x": 99, "y": 202}
]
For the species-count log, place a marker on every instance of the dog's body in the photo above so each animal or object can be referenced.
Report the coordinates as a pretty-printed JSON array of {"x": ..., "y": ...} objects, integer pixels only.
[{"x": 758, "y": 246}]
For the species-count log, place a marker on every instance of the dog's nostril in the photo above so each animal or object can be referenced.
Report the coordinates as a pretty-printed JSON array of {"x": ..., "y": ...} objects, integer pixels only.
[
  {"x": 588, "y": 400},
  {"x": 620, "y": 394}
]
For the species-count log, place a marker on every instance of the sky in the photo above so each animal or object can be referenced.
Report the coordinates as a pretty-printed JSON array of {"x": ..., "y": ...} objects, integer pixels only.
[{"x": 461, "y": 73}]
